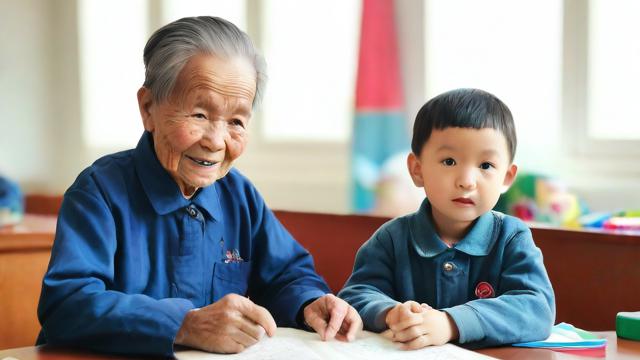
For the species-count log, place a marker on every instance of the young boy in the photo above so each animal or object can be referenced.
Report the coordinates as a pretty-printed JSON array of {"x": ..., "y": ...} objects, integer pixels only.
[{"x": 455, "y": 270}]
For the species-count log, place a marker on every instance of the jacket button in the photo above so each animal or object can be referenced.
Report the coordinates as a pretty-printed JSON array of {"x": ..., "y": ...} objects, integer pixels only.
[{"x": 448, "y": 266}]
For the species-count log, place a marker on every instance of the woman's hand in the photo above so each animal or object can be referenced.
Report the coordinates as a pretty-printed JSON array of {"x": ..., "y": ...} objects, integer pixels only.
[
  {"x": 229, "y": 325},
  {"x": 332, "y": 317}
]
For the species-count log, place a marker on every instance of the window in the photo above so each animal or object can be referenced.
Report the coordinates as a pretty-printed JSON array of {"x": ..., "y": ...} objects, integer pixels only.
[
  {"x": 600, "y": 162},
  {"x": 312, "y": 66},
  {"x": 500, "y": 46},
  {"x": 111, "y": 70},
  {"x": 310, "y": 89},
  {"x": 311, "y": 49},
  {"x": 613, "y": 70},
  {"x": 600, "y": 74},
  {"x": 567, "y": 70},
  {"x": 232, "y": 10}
]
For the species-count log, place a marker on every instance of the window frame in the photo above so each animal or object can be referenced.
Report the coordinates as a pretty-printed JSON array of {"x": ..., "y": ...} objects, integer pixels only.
[
  {"x": 275, "y": 169},
  {"x": 579, "y": 144}
]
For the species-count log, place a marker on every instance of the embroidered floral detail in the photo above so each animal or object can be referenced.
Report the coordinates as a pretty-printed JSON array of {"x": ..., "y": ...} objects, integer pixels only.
[{"x": 233, "y": 257}]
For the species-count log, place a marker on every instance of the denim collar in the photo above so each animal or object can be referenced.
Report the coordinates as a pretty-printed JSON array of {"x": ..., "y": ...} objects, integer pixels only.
[
  {"x": 163, "y": 192},
  {"x": 427, "y": 243}
]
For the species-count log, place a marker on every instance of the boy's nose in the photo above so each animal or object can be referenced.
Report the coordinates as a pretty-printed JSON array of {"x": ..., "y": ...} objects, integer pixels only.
[{"x": 466, "y": 181}]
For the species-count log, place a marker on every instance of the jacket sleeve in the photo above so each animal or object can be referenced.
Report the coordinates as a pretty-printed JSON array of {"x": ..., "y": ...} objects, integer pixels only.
[
  {"x": 370, "y": 288},
  {"x": 284, "y": 278},
  {"x": 524, "y": 308},
  {"x": 78, "y": 308}
]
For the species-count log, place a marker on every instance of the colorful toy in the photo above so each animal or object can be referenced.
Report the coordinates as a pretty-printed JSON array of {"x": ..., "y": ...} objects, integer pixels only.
[
  {"x": 11, "y": 202},
  {"x": 540, "y": 198},
  {"x": 628, "y": 325}
]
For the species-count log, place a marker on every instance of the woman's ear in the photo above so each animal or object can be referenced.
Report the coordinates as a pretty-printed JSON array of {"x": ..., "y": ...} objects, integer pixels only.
[
  {"x": 415, "y": 169},
  {"x": 145, "y": 100},
  {"x": 509, "y": 177}
]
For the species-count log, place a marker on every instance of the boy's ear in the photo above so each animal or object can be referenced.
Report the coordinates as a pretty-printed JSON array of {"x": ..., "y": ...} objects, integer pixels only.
[
  {"x": 509, "y": 177},
  {"x": 145, "y": 100},
  {"x": 415, "y": 169}
]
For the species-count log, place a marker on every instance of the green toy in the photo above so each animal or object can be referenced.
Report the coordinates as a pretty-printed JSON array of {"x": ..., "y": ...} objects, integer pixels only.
[
  {"x": 540, "y": 198},
  {"x": 628, "y": 325}
]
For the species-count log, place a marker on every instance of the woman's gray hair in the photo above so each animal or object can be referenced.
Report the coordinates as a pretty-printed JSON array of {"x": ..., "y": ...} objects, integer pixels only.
[{"x": 171, "y": 47}]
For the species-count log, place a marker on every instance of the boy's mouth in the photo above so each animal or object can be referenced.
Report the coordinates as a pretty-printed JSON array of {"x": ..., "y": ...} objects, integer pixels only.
[{"x": 465, "y": 201}]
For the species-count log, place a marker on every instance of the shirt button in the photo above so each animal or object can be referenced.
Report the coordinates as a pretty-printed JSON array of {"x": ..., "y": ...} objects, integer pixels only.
[
  {"x": 448, "y": 266},
  {"x": 192, "y": 212}
]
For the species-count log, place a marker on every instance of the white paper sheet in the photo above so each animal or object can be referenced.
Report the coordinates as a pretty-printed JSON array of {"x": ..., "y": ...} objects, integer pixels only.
[{"x": 301, "y": 345}]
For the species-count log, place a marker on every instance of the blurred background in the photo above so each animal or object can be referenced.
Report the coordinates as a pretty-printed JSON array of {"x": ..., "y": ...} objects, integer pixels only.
[{"x": 70, "y": 69}]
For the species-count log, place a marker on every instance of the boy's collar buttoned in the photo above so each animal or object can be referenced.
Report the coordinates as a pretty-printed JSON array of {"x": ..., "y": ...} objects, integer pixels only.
[
  {"x": 427, "y": 243},
  {"x": 482, "y": 236}
]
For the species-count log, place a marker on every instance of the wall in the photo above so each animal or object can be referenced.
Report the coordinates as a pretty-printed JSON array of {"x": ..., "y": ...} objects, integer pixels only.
[
  {"x": 39, "y": 95},
  {"x": 25, "y": 74}
]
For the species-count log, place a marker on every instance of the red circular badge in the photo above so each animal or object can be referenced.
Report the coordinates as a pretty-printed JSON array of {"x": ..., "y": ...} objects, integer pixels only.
[{"x": 484, "y": 290}]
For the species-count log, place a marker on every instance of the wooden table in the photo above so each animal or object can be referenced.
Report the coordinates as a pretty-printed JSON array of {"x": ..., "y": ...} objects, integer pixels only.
[
  {"x": 24, "y": 256},
  {"x": 616, "y": 349}
]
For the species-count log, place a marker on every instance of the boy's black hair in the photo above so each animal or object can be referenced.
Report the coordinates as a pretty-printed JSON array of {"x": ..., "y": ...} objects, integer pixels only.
[{"x": 464, "y": 108}]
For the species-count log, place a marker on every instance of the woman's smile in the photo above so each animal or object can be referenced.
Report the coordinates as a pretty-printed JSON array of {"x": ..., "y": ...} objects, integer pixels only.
[{"x": 202, "y": 162}]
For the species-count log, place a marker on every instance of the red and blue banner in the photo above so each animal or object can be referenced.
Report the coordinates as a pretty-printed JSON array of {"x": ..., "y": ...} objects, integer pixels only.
[{"x": 380, "y": 129}]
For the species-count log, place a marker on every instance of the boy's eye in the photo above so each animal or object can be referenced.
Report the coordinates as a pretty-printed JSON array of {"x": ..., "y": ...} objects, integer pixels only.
[
  {"x": 486, "y": 166},
  {"x": 448, "y": 162}
]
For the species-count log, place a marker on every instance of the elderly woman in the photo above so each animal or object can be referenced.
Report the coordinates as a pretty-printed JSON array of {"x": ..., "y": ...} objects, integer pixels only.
[{"x": 167, "y": 243}]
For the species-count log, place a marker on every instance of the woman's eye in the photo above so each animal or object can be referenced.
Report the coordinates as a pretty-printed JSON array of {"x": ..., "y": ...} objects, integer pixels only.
[
  {"x": 237, "y": 122},
  {"x": 448, "y": 162},
  {"x": 486, "y": 166},
  {"x": 199, "y": 116}
]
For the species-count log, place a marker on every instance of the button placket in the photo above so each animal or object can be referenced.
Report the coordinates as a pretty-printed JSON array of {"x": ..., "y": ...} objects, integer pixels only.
[
  {"x": 192, "y": 212},
  {"x": 448, "y": 266}
]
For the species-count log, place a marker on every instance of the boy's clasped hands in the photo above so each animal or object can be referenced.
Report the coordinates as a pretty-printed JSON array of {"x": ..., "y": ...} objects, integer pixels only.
[{"x": 419, "y": 325}]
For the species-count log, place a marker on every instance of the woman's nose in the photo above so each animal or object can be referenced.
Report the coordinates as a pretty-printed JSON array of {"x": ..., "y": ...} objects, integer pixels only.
[{"x": 214, "y": 137}]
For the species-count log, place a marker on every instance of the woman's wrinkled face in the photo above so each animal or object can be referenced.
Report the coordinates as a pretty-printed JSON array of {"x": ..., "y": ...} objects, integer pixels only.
[{"x": 202, "y": 127}]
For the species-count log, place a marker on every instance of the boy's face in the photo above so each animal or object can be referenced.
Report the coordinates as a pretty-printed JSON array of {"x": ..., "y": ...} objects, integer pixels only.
[{"x": 463, "y": 172}]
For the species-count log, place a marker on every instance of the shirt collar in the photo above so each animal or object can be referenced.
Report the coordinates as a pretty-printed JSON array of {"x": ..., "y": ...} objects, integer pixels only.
[
  {"x": 163, "y": 192},
  {"x": 427, "y": 243}
]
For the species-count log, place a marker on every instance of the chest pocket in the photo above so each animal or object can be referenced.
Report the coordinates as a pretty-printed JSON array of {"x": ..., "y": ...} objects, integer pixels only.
[{"x": 230, "y": 278}]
